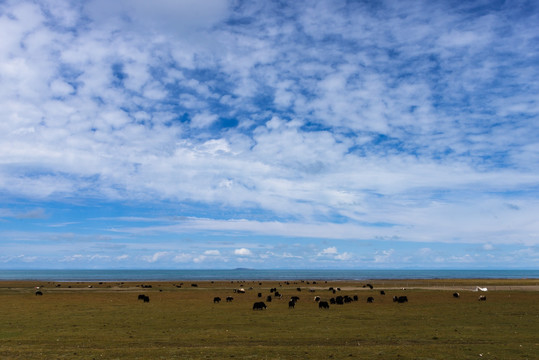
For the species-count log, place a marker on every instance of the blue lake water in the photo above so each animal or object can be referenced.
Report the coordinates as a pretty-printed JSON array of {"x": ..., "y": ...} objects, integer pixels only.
[{"x": 251, "y": 274}]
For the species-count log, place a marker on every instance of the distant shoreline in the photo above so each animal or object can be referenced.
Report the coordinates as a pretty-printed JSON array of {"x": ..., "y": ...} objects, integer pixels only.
[{"x": 307, "y": 285}]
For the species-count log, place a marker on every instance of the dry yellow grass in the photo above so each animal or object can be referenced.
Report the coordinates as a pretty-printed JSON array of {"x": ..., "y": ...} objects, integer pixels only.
[{"x": 106, "y": 321}]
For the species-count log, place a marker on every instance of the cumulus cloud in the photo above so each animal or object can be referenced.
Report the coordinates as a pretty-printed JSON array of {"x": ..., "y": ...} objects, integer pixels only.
[{"x": 243, "y": 252}]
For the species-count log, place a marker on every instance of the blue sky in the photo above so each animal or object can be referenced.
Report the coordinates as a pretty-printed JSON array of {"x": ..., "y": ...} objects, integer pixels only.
[{"x": 269, "y": 134}]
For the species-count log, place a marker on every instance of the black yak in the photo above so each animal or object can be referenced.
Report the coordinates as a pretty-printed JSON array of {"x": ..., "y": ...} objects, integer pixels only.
[
  {"x": 323, "y": 305},
  {"x": 259, "y": 306},
  {"x": 400, "y": 299}
]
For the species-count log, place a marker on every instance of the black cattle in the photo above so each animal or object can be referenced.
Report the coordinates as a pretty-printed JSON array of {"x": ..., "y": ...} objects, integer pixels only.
[
  {"x": 216, "y": 300},
  {"x": 39, "y": 293},
  {"x": 278, "y": 294},
  {"x": 259, "y": 294},
  {"x": 347, "y": 299},
  {"x": 298, "y": 289},
  {"x": 194, "y": 285},
  {"x": 332, "y": 301},
  {"x": 482, "y": 298},
  {"x": 370, "y": 299},
  {"x": 141, "y": 297},
  {"x": 291, "y": 304},
  {"x": 144, "y": 298},
  {"x": 456, "y": 295},
  {"x": 268, "y": 298},
  {"x": 400, "y": 299},
  {"x": 356, "y": 298},
  {"x": 382, "y": 292},
  {"x": 323, "y": 305},
  {"x": 317, "y": 298},
  {"x": 294, "y": 298},
  {"x": 229, "y": 298},
  {"x": 259, "y": 306},
  {"x": 339, "y": 300}
]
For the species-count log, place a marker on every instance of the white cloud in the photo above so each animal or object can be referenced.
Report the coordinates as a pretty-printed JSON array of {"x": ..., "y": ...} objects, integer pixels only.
[
  {"x": 155, "y": 257},
  {"x": 383, "y": 256},
  {"x": 243, "y": 252},
  {"x": 329, "y": 251},
  {"x": 212, "y": 253},
  {"x": 488, "y": 247},
  {"x": 203, "y": 120},
  {"x": 182, "y": 258}
]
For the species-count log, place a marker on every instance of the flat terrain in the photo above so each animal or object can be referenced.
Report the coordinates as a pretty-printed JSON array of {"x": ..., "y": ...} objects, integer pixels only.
[{"x": 107, "y": 321}]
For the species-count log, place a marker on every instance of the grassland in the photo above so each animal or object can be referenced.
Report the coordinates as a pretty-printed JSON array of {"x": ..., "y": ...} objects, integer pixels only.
[{"x": 106, "y": 321}]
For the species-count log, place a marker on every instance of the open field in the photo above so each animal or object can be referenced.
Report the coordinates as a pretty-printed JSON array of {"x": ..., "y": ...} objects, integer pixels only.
[{"x": 106, "y": 321}]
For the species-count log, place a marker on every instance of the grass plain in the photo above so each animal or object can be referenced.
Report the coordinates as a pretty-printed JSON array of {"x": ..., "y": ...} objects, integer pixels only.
[{"x": 107, "y": 321}]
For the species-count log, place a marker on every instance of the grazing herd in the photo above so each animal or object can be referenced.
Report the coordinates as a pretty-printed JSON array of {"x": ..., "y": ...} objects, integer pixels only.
[{"x": 322, "y": 304}]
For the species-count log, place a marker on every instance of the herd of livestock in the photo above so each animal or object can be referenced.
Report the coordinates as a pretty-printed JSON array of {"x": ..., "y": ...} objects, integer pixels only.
[{"x": 275, "y": 294}]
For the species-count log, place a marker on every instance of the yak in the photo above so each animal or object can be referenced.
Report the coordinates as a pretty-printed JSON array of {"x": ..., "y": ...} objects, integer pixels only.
[
  {"x": 291, "y": 304},
  {"x": 370, "y": 299},
  {"x": 259, "y": 306},
  {"x": 323, "y": 305},
  {"x": 456, "y": 295},
  {"x": 144, "y": 298},
  {"x": 216, "y": 300},
  {"x": 400, "y": 299},
  {"x": 229, "y": 298}
]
